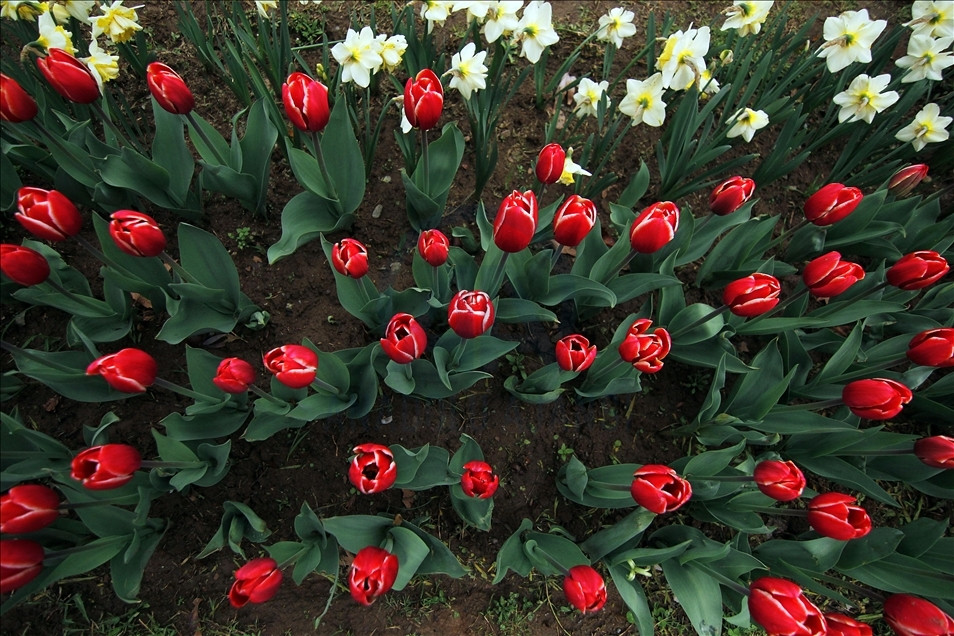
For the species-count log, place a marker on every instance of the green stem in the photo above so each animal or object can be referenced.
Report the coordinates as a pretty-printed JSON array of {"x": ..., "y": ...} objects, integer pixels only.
[
  {"x": 181, "y": 390},
  {"x": 700, "y": 321},
  {"x": 458, "y": 354},
  {"x": 779, "y": 307},
  {"x": 92, "y": 303},
  {"x": 426, "y": 163},
  {"x": 190, "y": 117},
  {"x": 605, "y": 279},
  {"x": 867, "y": 371},
  {"x": 113, "y": 127},
  {"x": 268, "y": 396},
  {"x": 320, "y": 156},
  {"x": 809, "y": 406},
  {"x": 90, "y": 173},
  {"x": 122, "y": 501},
  {"x": 178, "y": 269},
  {"x": 549, "y": 559},
  {"x": 723, "y": 579},
  {"x": 784, "y": 235},
  {"x": 320, "y": 384},
  {"x": 496, "y": 279},
  {"x": 161, "y": 464},
  {"x": 27, "y": 353},
  {"x": 65, "y": 552}
]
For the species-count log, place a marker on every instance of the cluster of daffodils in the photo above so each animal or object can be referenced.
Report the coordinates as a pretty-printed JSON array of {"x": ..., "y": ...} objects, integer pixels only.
[{"x": 363, "y": 54}]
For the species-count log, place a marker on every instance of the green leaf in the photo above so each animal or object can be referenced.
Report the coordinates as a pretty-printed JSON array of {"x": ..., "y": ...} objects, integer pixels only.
[
  {"x": 410, "y": 551},
  {"x": 439, "y": 560},
  {"x": 699, "y": 595},
  {"x": 304, "y": 218},
  {"x": 132, "y": 171},
  {"x": 354, "y": 532},
  {"x": 170, "y": 151},
  {"x": 521, "y": 310},
  {"x": 699, "y": 333},
  {"x": 422, "y": 468},
  {"x": 343, "y": 157},
  {"x": 874, "y": 546},
  {"x": 621, "y": 533},
  {"x": 511, "y": 555},
  {"x": 472, "y": 510},
  {"x": 635, "y": 598}
]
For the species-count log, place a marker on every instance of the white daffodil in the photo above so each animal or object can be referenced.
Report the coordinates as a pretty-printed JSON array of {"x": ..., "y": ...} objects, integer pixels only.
[
  {"x": 65, "y": 9},
  {"x": 21, "y": 10},
  {"x": 104, "y": 66},
  {"x": 616, "y": 25},
  {"x": 707, "y": 84},
  {"x": 746, "y": 15},
  {"x": 391, "y": 49},
  {"x": 570, "y": 168},
  {"x": 476, "y": 9},
  {"x": 928, "y": 127},
  {"x": 747, "y": 121},
  {"x": 501, "y": 19},
  {"x": 265, "y": 7},
  {"x": 926, "y": 58},
  {"x": 864, "y": 98},
  {"x": 932, "y": 18},
  {"x": 117, "y": 22},
  {"x": 468, "y": 73},
  {"x": 588, "y": 95},
  {"x": 435, "y": 12},
  {"x": 52, "y": 35},
  {"x": 535, "y": 30},
  {"x": 358, "y": 56},
  {"x": 848, "y": 38},
  {"x": 643, "y": 101},
  {"x": 682, "y": 59}
]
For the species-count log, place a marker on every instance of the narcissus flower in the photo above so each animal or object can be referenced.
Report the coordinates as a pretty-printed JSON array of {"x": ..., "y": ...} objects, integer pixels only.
[
  {"x": 746, "y": 122},
  {"x": 103, "y": 64},
  {"x": 468, "y": 72},
  {"x": 479, "y": 480},
  {"x": 643, "y": 101},
  {"x": 585, "y": 589},
  {"x": 936, "y": 451},
  {"x": 588, "y": 96},
  {"x": 372, "y": 468},
  {"x": 372, "y": 574},
  {"x": 834, "y": 515},
  {"x": 295, "y": 366},
  {"x": 683, "y": 58},
  {"x": 782, "y": 481},
  {"x": 933, "y": 18},
  {"x": 864, "y": 98},
  {"x": 571, "y": 168},
  {"x": 831, "y": 204},
  {"x": 658, "y": 488},
  {"x": 358, "y": 56},
  {"x": 926, "y": 59},
  {"x": 876, "y": 398},
  {"x": 265, "y": 8},
  {"x": 255, "y": 582},
  {"x": 52, "y": 35},
  {"x": 781, "y": 607},
  {"x": 128, "y": 370},
  {"x": 848, "y": 38},
  {"x": 501, "y": 19},
  {"x": 928, "y": 127},
  {"x": 746, "y": 15},
  {"x": 119, "y": 23},
  {"x": 535, "y": 30},
  {"x": 391, "y": 50},
  {"x": 616, "y": 25}
]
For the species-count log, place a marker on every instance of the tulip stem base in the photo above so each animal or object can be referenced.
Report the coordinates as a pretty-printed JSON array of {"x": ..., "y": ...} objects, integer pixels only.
[
  {"x": 325, "y": 176},
  {"x": 181, "y": 390},
  {"x": 425, "y": 163}
]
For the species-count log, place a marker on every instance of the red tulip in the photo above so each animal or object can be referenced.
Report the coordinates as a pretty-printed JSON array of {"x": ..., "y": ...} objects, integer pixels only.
[
  {"x": 831, "y": 204},
  {"x": 654, "y": 227},
  {"x": 128, "y": 370},
  {"x": 659, "y": 489},
  {"x": 479, "y": 480},
  {"x": 753, "y": 295},
  {"x": 832, "y": 515},
  {"x": 550, "y": 162},
  {"x": 306, "y": 102},
  {"x": 28, "y": 508},
  {"x": 350, "y": 258},
  {"x": 575, "y": 353},
  {"x": 169, "y": 89},
  {"x": 423, "y": 100},
  {"x": 841, "y": 625},
  {"x": 23, "y": 265},
  {"x": 574, "y": 220},
  {"x": 516, "y": 221},
  {"x": 917, "y": 270},
  {"x": 644, "y": 350},
  {"x": 470, "y": 313},
  {"x": 906, "y": 179},
  {"x": 47, "y": 214},
  {"x": 234, "y": 375},
  {"x": 255, "y": 582},
  {"x": 68, "y": 76},
  {"x": 433, "y": 247},
  {"x": 782, "y": 481},
  {"x": 828, "y": 275},
  {"x": 372, "y": 574},
  {"x": 404, "y": 339},
  {"x": 136, "y": 234},
  {"x": 781, "y": 608},
  {"x": 933, "y": 348},
  {"x": 373, "y": 468},
  {"x": 16, "y": 105},
  {"x": 106, "y": 467},
  {"x": 21, "y": 561},
  {"x": 730, "y": 195},
  {"x": 936, "y": 451},
  {"x": 295, "y": 366},
  {"x": 912, "y": 616},
  {"x": 876, "y": 398},
  {"x": 585, "y": 589}
]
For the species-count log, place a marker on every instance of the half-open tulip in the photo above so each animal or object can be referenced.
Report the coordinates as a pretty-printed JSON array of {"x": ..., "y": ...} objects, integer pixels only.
[
  {"x": 349, "y": 257},
  {"x": 584, "y": 588},
  {"x": 575, "y": 353},
  {"x": 782, "y": 481},
  {"x": 23, "y": 265},
  {"x": 730, "y": 195},
  {"x": 105, "y": 467},
  {"x": 781, "y": 608},
  {"x": 306, "y": 102},
  {"x": 936, "y": 451},
  {"x": 917, "y": 269},
  {"x": 913, "y": 616},
  {"x": 658, "y": 488},
  {"x": 404, "y": 339},
  {"x": 423, "y": 99},
  {"x": 28, "y": 508},
  {"x": 128, "y": 370},
  {"x": 906, "y": 179},
  {"x": 753, "y": 295},
  {"x": 255, "y": 582},
  {"x": 841, "y": 625},
  {"x": 479, "y": 480},
  {"x": 470, "y": 313},
  {"x": 831, "y": 204},
  {"x": 372, "y": 574},
  {"x": 295, "y": 366},
  {"x": 516, "y": 221},
  {"x": 573, "y": 220},
  {"x": 136, "y": 234},
  {"x": 433, "y": 246},
  {"x": 933, "y": 348},
  {"x": 372, "y": 468},
  {"x": 654, "y": 227},
  {"x": 234, "y": 375},
  {"x": 21, "y": 561},
  {"x": 169, "y": 89},
  {"x": 68, "y": 76},
  {"x": 16, "y": 105},
  {"x": 834, "y": 515},
  {"x": 645, "y": 350},
  {"x": 550, "y": 162},
  {"x": 47, "y": 214},
  {"x": 876, "y": 398},
  {"x": 828, "y": 276}
]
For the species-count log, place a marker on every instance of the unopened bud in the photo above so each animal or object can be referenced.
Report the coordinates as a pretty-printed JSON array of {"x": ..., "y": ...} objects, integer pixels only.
[{"x": 906, "y": 179}]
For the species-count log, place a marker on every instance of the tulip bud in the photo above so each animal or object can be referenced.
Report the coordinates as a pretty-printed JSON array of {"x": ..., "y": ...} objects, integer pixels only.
[
  {"x": 912, "y": 616},
  {"x": 841, "y": 625},
  {"x": 936, "y": 451},
  {"x": 575, "y": 353},
  {"x": 828, "y": 275},
  {"x": 423, "y": 100},
  {"x": 906, "y": 179},
  {"x": 21, "y": 561},
  {"x": 730, "y": 195},
  {"x": 470, "y": 313},
  {"x": 255, "y": 582},
  {"x": 780, "y": 607},
  {"x": 105, "y": 467},
  {"x": 23, "y": 265},
  {"x": 404, "y": 339},
  {"x": 372, "y": 574},
  {"x": 295, "y": 366},
  {"x": 306, "y": 102},
  {"x": 933, "y": 348},
  {"x": 645, "y": 351},
  {"x": 831, "y": 204},
  {"x": 516, "y": 221},
  {"x": 585, "y": 589},
  {"x": 169, "y": 89},
  {"x": 47, "y": 214},
  {"x": 433, "y": 247},
  {"x": 28, "y": 508},
  {"x": 69, "y": 77},
  {"x": 876, "y": 398},
  {"x": 16, "y": 105},
  {"x": 782, "y": 481},
  {"x": 350, "y": 258},
  {"x": 573, "y": 220},
  {"x": 659, "y": 489},
  {"x": 753, "y": 295},
  {"x": 128, "y": 370},
  {"x": 550, "y": 164},
  {"x": 654, "y": 227},
  {"x": 234, "y": 375},
  {"x": 136, "y": 234},
  {"x": 917, "y": 270},
  {"x": 373, "y": 468},
  {"x": 831, "y": 515},
  {"x": 479, "y": 480}
]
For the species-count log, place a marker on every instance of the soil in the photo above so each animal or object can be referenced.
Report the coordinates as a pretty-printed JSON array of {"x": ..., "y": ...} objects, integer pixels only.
[{"x": 525, "y": 443}]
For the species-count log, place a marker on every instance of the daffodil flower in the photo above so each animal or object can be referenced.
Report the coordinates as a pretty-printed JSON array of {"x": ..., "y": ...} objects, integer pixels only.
[
  {"x": 391, "y": 49},
  {"x": 570, "y": 168},
  {"x": 104, "y": 66},
  {"x": 501, "y": 19},
  {"x": 926, "y": 58},
  {"x": 117, "y": 22},
  {"x": 476, "y": 9},
  {"x": 588, "y": 95},
  {"x": 358, "y": 56},
  {"x": 747, "y": 122},
  {"x": 848, "y": 38},
  {"x": 928, "y": 127},
  {"x": 616, "y": 25},
  {"x": 746, "y": 15},
  {"x": 78, "y": 9},
  {"x": 52, "y": 35},
  {"x": 535, "y": 30},
  {"x": 435, "y": 12},
  {"x": 468, "y": 72},
  {"x": 682, "y": 60},
  {"x": 864, "y": 98},
  {"x": 643, "y": 101},
  {"x": 935, "y": 19}
]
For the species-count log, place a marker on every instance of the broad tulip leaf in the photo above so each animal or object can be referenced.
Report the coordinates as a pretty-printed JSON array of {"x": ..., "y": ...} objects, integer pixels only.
[
  {"x": 512, "y": 385},
  {"x": 126, "y": 569},
  {"x": 874, "y": 546},
  {"x": 921, "y": 535},
  {"x": 439, "y": 560},
  {"x": 343, "y": 157},
  {"x": 699, "y": 595},
  {"x": 699, "y": 333},
  {"x": 304, "y": 218},
  {"x": 635, "y": 598},
  {"x": 900, "y": 574},
  {"x": 354, "y": 532},
  {"x": 473, "y": 510},
  {"x": 169, "y": 150},
  {"x": 623, "y": 532},
  {"x": 560, "y": 549},
  {"x": 629, "y": 286},
  {"x": 410, "y": 551},
  {"x": 511, "y": 555},
  {"x": 844, "y": 473}
]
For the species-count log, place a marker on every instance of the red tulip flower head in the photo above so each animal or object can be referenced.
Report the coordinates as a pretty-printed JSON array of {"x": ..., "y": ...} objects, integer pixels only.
[
  {"x": 936, "y": 451},
  {"x": 550, "y": 163},
  {"x": 255, "y": 582},
  {"x": 136, "y": 234},
  {"x": 69, "y": 77},
  {"x": 933, "y": 348},
  {"x": 433, "y": 247},
  {"x": 575, "y": 353},
  {"x": 234, "y": 375},
  {"x": 832, "y": 514},
  {"x": 22, "y": 265},
  {"x": 470, "y": 313},
  {"x": 912, "y": 616},
  {"x": 780, "y": 607},
  {"x": 876, "y": 398},
  {"x": 349, "y": 257},
  {"x": 654, "y": 227},
  {"x": 372, "y": 574},
  {"x": 730, "y": 195},
  {"x": 404, "y": 339},
  {"x": 479, "y": 480},
  {"x": 831, "y": 204},
  {"x": 373, "y": 468},
  {"x": 21, "y": 561},
  {"x": 644, "y": 350},
  {"x": 782, "y": 481},
  {"x": 128, "y": 370},
  {"x": 106, "y": 467},
  {"x": 306, "y": 103},
  {"x": 753, "y": 295},
  {"x": 841, "y": 625},
  {"x": 659, "y": 488},
  {"x": 423, "y": 99},
  {"x": 47, "y": 214},
  {"x": 28, "y": 508},
  {"x": 169, "y": 89},
  {"x": 295, "y": 366},
  {"x": 906, "y": 179},
  {"x": 828, "y": 275},
  {"x": 585, "y": 589},
  {"x": 573, "y": 220},
  {"x": 16, "y": 105},
  {"x": 917, "y": 270},
  {"x": 516, "y": 221}
]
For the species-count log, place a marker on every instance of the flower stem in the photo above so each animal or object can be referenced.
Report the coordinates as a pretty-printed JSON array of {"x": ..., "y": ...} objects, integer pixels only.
[
  {"x": 27, "y": 353},
  {"x": 263, "y": 394},
  {"x": 784, "y": 235},
  {"x": 809, "y": 406},
  {"x": 190, "y": 117},
  {"x": 700, "y": 321},
  {"x": 549, "y": 559},
  {"x": 426, "y": 163},
  {"x": 92, "y": 303},
  {"x": 177, "y": 268},
  {"x": 181, "y": 390},
  {"x": 320, "y": 156},
  {"x": 320, "y": 384},
  {"x": 779, "y": 307},
  {"x": 115, "y": 129}
]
